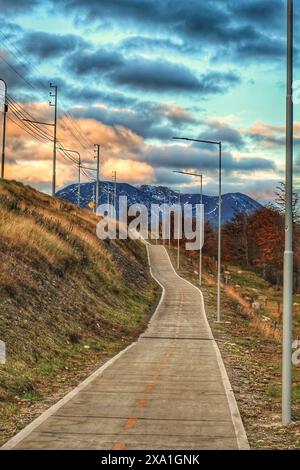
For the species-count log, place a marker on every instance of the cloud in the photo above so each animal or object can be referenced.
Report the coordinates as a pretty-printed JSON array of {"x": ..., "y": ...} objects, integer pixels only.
[
  {"x": 175, "y": 114},
  {"x": 154, "y": 75},
  {"x": 270, "y": 136},
  {"x": 124, "y": 168},
  {"x": 195, "y": 158},
  {"x": 147, "y": 119},
  {"x": 221, "y": 131},
  {"x": 234, "y": 26},
  {"x": 266, "y": 12},
  {"x": 149, "y": 44},
  {"x": 166, "y": 177},
  {"x": 161, "y": 76},
  {"x": 13, "y": 7},
  {"x": 49, "y": 45},
  {"x": 92, "y": 62}
]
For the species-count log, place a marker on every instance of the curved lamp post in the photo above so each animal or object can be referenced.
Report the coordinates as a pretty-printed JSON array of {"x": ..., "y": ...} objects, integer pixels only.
[
  {"x": 219, "y": 144},
  {"x": 201, "y": 201}
]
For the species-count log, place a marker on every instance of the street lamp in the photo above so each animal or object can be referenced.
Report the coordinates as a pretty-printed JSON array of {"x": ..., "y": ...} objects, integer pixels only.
[
  {"x": 288, "y": 251},
  {"x": 213, "y": 142},
  {"x": 201, "y": 200},
  {"x": 178, "y": 230},
  {"x": 79, "y": 168},
  {"x": 4, "y": 89}
]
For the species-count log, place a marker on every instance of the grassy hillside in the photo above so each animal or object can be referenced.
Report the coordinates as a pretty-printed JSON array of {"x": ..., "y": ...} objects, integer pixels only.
[{"x": 67, "y": 300}]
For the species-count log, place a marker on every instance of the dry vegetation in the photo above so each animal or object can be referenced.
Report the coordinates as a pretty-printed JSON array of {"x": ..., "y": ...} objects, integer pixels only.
[
  {"x": 67, "y": 300},
  {"x": 250, "y": 343}
]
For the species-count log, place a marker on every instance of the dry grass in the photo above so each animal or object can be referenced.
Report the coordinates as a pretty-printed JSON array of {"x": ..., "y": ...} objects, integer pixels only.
[
  {"x": 267, "y": 328},
  {"x": 67, "y": 299}
]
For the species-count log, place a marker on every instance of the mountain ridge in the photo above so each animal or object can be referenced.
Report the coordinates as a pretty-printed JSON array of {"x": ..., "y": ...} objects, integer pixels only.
[{"x": 232, "y": 203}]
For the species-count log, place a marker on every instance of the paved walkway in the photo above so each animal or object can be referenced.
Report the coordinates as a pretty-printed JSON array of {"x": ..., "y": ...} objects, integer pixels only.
[{"x": 168, "y": 391}]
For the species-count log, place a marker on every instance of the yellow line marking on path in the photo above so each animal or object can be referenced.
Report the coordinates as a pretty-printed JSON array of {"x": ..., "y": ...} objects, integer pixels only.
[
  {"x": 131, "y": 422},
  {"x": 155, "y": 377},
  {"x": 142, "y": 403},
  {"x": 120, "y": 445}
]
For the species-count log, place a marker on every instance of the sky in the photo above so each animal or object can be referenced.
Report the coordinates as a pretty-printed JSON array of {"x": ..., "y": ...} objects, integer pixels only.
[{"x": 132, "y": 74}]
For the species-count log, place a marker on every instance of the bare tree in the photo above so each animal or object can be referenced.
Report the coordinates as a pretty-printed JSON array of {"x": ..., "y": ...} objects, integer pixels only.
[{"x": 279, "y": 202}]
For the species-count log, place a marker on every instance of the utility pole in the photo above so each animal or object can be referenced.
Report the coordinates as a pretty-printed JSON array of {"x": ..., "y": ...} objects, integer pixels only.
[
  {"x": 114, "y": 178},
  {"x": 219, "y": 235},
  {"x": 169, "y": 222},
  {"x": 93, "y": 199},
  {"x": 178, "y": 231},
  {"x": 5, "y": 109},
  {"x": 164, "y": 221},
  {"x": 79, "y": 183},
  {"x": 288, "y": 252},
  {"x": 108, "y": 198},
  {"x": 201, "y": 228},
  {"x": 97, "y": 148},
  {"x": 54, "y": 95}
]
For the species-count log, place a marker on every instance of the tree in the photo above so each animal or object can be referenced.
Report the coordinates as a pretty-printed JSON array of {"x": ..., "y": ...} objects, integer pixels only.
[
  {"x": 279, "y": 202},
  {"x": 236, "y": 239}
]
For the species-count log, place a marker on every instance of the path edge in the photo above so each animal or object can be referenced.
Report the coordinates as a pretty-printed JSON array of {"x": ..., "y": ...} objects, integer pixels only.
[
  {"x": 237, "y": 422},
  {"x": 13, "y": 441},
  {"x": 29, "y": 428}
]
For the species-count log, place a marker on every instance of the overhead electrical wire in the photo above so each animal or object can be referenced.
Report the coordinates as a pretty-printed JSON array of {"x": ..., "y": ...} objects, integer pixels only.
[
  {"x": 21, "y": 117},
  {"x": 28, "y": 65}
]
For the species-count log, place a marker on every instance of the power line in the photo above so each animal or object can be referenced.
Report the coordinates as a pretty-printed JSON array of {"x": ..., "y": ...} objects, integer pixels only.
[
  {"x": 25, "y": 121},
  {"x": 26, "y": 129},
  {"x": 27, "y": 66},
  {"x": 22, "y": 114},
  {"x": 16, "y": 71}
]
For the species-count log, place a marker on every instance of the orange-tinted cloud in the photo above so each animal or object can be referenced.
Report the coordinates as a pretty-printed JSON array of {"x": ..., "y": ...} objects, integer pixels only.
[
  {"x": 128, "y": 170},
  {"x": 30, "y": 160}
]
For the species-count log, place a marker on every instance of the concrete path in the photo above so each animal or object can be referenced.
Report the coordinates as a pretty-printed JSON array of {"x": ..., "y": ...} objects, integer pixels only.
[{"x": 168, "y": 391}]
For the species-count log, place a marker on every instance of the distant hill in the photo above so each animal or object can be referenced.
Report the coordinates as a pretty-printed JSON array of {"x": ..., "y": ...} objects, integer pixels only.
[{"x": 233, "y": 203}]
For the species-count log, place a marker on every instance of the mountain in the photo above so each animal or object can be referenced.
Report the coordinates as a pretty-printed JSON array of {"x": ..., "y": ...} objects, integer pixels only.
[{"x": 233, "y": 203}]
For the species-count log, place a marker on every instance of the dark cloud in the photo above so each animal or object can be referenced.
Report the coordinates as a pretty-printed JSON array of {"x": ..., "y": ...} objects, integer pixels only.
[
  {"x": 236, "y": 25},
  {"x": 93, "y": 62},
  {"x": 146, "y": 119},
  {"x": 128, "y": 10},
  {"x": 155, "y": 75},
  {"x": 147, "y": 74},
  {"x": 13, "y": 7},
  {"x": 48, "y": 45},
  {"x": 260, "y": 48},
  {"x": 166, "y": 177},
  {"x": 266, "y": 12},
  {"x": 223, "y": 132},
  {"x": 147, "y": 43},
  {"x": 8, "y": 28},
  {"x": 178, "y": 157}
]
